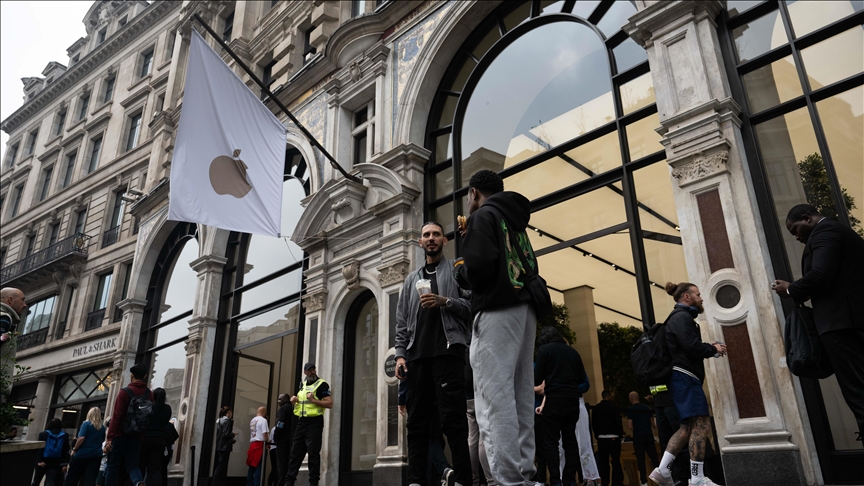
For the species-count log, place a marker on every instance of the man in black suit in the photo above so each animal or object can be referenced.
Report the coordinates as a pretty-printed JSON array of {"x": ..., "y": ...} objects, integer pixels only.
[{"x": 833, "y": 269}]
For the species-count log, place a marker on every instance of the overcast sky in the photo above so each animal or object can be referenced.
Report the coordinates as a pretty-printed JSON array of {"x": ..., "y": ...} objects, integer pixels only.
[{"x": 32, "y": 34}]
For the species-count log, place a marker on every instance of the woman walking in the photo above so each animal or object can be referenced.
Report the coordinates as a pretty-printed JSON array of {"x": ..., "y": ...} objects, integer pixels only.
[
  {"x": 87, "y": 451},
  {"x": 224, "y": 443},
  {"x": 153, "y": 443}
]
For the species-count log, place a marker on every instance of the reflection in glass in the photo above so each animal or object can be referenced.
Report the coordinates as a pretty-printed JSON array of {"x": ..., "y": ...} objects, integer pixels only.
[
  {"x": 172, "y": 332},
  {"x": 554, "y": 70},
  {"x": 180, "y": 291},
  {"x": 365, "y": 410},
  {"x": 253, "y": 391},
  {"x": 735, "y": 7},
  {"x": 167, "y": 371},
  {"x": 517, "y": 16},
  {"x": 444, "y": 216},
  {"x": 596, "y": 210},
  {"x": 790, "y": 154},
  {"x": 637, "y": 93},
  {"x": 269, "y": 323},
  {"x": 616, "y": 17},
  {"x": 462, "y": 76},
  {"x": 628, "y": 54},
  {"x": 39, "y": 315},
  {"x": 278, "y": 288},
  {"x": 448, "y": 110},
  {"x": 759, "y": 36},
  {"x": 773, "y": 84},
  {"x": 836, "y": 58},
  {"x": 484, "y": 45},
  {"x": 443, "y": 148},
  {"x": 642, "y": 139},
  {"x": 266, "y": 253},
  {"x": 808, "y": 15},
  {"x": 843, "y": 124},
  {"x": 444, "y": 182}
]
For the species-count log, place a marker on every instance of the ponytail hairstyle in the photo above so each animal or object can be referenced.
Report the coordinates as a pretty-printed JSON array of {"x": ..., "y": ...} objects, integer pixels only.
[
  {"x": 678, "y": 290},
  {"x": 95, "y": 417},
  {"x": 159, "y": 396}
]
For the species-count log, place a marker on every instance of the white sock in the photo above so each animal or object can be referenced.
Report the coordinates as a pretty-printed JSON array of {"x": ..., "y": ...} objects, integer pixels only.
[
  {"x": 666, "y": 464},
  {"x": 697, "y": 470}
]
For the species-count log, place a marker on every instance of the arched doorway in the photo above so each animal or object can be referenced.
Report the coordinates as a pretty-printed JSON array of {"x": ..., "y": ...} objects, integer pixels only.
[{"x": 360, "y": 392}]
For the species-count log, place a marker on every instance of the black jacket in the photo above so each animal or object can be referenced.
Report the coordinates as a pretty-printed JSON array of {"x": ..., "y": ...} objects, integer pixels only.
[
  {"x": 561, "y": 367},
  {"x": 492, "y": 269},
  {"x": 54, "y": 461},
  {"x": 224, "y": 434},
  {"x": 833, "y": 269},
  {"x": 282, "y": 435},
  {"x": 606, "y": 420},
  {"x": 684, "y": 340}
]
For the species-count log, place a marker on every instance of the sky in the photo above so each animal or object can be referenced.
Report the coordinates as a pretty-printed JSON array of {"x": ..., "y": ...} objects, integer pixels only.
[{"x": 32, "y": 34}]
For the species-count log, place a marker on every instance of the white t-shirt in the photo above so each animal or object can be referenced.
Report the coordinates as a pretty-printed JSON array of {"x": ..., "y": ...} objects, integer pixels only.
[
  {"x": 272, "y": 433},
  {"x": 257, "y": 428}
]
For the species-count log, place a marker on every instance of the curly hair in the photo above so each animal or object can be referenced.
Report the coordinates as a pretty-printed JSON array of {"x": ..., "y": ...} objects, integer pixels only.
[
  {"x": 550, "y": 335},
  {"x": 487, "y": 182}
]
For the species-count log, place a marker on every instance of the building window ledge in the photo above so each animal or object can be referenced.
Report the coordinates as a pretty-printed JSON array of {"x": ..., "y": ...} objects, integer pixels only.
[
  {"x": 101, "y": 107},
  {"x": 145, "y": 79},
  {"x": 79, "y": 122}
]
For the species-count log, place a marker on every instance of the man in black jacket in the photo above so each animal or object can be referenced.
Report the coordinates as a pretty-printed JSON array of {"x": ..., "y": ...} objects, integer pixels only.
[
  {"x": 282, "y": 434},
  {"x": 833, "y": 280},
  {"x": 502, "y": 346},
  {"x": 684, "y": 340},
  {"x": 606, "y": 422}
]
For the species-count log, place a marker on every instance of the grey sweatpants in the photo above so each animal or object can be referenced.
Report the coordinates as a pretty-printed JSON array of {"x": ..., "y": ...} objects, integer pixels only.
[{"x": 502, "y": 353}]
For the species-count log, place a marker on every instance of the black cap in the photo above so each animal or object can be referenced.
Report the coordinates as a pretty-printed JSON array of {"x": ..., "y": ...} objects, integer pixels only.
[{"x": 308, "y": 365}]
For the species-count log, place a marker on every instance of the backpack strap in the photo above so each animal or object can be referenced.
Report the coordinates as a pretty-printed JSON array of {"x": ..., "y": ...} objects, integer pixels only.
[{"x": 129, "y": 392}]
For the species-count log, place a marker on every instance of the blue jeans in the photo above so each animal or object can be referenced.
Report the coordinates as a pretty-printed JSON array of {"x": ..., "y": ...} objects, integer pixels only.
[
  {"x": 253, "y": 477},
  {"x": 126, "y": 451}
]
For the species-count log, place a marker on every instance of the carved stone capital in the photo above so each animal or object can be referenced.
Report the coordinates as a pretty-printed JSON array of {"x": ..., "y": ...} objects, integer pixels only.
[
  {"x": 316, "y": 301},
  {"x": 700, "y": 167},
  {"x": 193, "y": 346},
  {"x": 351, "y": 272},
  {"x": 393, "y": 274}
]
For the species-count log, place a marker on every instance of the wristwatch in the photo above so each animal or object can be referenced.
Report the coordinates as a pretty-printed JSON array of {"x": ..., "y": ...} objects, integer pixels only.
[{"x": 448, "y": 303}]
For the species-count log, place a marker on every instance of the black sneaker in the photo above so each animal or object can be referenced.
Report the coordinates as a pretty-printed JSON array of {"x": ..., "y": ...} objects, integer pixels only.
[{"x": 448, "y": 478}]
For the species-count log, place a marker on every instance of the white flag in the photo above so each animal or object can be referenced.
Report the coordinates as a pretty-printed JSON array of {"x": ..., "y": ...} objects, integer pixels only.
[{"x": 229, "y": 157}]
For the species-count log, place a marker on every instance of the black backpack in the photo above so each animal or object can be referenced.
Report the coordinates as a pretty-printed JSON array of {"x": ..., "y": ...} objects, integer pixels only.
[
  {"x": 650, "y": 357},
  {"x": 804, "y": 355},
  {"x": 138, "y": 412}
]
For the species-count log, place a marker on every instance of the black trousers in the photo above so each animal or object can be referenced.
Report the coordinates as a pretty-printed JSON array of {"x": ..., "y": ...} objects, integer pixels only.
[
  {"x": 610, "y": 450},
  {"x": 273, "y": 477},
  {"x": 220, "y": 471},
  {"x": 438, "y": 380},
  {"x": 283, "y": 456},
  {"x": 560, "y": 415},
  {"x": 668, "y": 422},
  {"x": 845, "y": 349},
  {"x": 52, "y": 472},
  {"x": 307, "y": 439},
  {"x": 641, "y": 446},
  {"x": 79, "y": 468},
  {"x": 540, "y": 454},
  {"x": 152, "y": 454}
]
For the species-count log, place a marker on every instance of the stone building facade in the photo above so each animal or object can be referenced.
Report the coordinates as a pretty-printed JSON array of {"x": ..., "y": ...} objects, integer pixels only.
[{"x": 657, "y": 140}]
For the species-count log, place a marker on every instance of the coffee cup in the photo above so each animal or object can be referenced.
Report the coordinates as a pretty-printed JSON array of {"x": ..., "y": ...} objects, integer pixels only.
[{"x": 424, "y": 286}]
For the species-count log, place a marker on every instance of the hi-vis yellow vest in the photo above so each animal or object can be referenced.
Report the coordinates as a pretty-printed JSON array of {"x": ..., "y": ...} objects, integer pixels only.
[{"x": 305, "y": 408}]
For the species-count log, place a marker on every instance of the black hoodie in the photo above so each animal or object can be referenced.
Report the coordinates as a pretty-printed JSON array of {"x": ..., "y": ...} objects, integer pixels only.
[{"x": 492, "y": 268}]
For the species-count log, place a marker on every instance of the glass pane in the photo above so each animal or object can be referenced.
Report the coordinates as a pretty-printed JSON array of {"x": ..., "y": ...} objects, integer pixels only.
[
  {"x": 772, "y": 84},
  {"x": 167, "y": 371},
  {"x": 269, "y": 323},
  {"x": 547, "y": 7},
  {"x": 443, "y": 149},
  {"x": 278, "y": 288},
  {"x": 638, "y": 93},
  {"x": 843, "y": 123},
  {"x": 268, "y": 254},
  {"x": 444, "y": 182},
  {"x": 759, "y": 36},
  {"x": 808, "y": 15},
  {"x": 444, "y": 216},
  {"x": 253, "y": 391},
  {"x": 735, "y": 7},
  {"x": 462, "y": 76},
  {"x": 486, "y": 43},
  {"x": 448, "y": 110},
  {"x": 365, "y": 410},
  {"x": 172, "y": 332},
  {"x": 103, "y": 291},
  {"x": 642, "y": 139},
  {"x": 512, "y": 116},
  {"x": 834, "y": 59},
  {"x": 66, "y": 390},
  {"x": 840, "y": 418},
  {"x": 583, "y": 8},
  {"x": 616, "y": 17},
  {"x": 39, "y": 315},
  {"x": 516, "y": 17},
  {"x": 628, "y": 54},
  {"x": 597, "y": 210},
  {"x": 180, "y": 291},
  {"x": 790, "y": 154}
]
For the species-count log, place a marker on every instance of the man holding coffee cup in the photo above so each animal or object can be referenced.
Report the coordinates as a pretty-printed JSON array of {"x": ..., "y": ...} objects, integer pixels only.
[{"x": 432, "y": 333}]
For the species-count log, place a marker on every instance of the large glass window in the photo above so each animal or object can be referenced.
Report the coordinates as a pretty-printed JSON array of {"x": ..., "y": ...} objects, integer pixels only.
[
  {"x": 76, "y": 393},
  {"x": 361, "y": 346},
  {"x": 39, "y": 315}
]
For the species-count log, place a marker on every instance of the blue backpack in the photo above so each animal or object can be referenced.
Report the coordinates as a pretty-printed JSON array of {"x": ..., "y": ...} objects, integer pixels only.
[{"x": 54, "y": 444}]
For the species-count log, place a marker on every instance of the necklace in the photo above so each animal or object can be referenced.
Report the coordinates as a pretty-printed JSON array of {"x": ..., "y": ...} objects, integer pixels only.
[{"x": 431, "y": 272}]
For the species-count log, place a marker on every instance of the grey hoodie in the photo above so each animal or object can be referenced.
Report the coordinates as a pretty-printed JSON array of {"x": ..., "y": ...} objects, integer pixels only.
[{"x": 456, "y": 319}]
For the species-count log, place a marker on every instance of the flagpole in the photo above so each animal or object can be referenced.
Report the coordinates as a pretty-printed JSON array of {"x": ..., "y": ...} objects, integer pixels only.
[{"x": 281, "y": 106}]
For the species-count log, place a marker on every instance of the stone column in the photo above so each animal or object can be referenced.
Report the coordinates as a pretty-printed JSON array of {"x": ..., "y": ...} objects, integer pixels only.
[
  {"x": 127, "y": 347},
  {"x": 757, "y": 406},
  {"x": 583, "y": 322},
  {"x": 41, "y": 403}
]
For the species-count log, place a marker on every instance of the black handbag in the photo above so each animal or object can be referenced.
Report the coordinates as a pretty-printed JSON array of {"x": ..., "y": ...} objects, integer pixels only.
[{"x": 804, "y": 354}]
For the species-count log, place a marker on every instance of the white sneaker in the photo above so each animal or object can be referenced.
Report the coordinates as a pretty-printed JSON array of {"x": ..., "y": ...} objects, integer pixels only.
[
  {"x": 659, "y": 479},
  {"x": 703, "y": 481}
]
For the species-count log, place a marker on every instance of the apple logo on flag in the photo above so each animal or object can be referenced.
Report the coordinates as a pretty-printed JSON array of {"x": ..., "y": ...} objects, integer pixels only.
[{"x": 228, "y": 176}]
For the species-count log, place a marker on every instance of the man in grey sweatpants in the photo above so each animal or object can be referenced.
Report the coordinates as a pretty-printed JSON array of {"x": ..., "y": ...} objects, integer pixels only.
[{"x": 502, "y": 347}]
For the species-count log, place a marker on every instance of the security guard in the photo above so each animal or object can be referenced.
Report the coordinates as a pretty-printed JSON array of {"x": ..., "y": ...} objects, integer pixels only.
[{"x": 309, "y": 405}]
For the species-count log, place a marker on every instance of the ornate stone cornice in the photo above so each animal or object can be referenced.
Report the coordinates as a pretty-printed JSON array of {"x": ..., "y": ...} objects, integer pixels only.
[
  {"x": 701, "y": 167},
  {"x": 208, "y": 263},
  {"x": 315, "y": 301},
  {"x": 393, "y": 274},
  {"x": 132, "y": 305},
  {"x": 95, "y": 59},
  {"x": 662, "y": 17}
]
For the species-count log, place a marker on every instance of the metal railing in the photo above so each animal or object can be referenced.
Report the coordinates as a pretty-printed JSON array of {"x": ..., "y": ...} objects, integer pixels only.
[
  {"x": 111, "y": 236},
  {"x": 31, "y": 339},
  {"x": 76, "y": 244},
  {"x": 94, "y": 319}
]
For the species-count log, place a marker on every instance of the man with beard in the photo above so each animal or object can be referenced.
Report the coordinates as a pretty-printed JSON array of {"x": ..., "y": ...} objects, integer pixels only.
[
  {"x": 309, "y": 404},
  {"x": 688, "y": 372},
  {"x": 505, "y": 324},
  {"x": 432, "y": 334}
]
